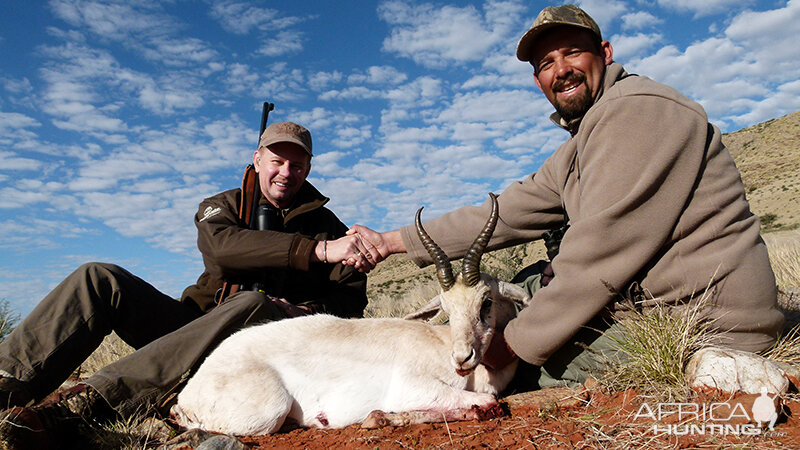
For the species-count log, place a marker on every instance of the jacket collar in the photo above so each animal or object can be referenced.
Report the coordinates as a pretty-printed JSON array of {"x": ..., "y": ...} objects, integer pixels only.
[
  {"x": 308, "y": 199},
  {"x": 613, "y": 73}
]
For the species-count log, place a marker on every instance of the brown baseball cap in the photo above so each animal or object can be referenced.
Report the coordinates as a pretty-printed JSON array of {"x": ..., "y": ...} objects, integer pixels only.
[
  {"x": 553, "y": 16},
  {"x": 286, "y": 132}
]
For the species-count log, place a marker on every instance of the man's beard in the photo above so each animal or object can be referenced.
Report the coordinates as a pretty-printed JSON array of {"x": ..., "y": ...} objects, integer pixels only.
[{"x": 576, "y": 106}]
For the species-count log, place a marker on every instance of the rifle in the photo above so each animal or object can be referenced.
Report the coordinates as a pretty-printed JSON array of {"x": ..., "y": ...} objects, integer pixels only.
[
  {"x": 250, "y": 215},
  {"x": 253, "y": 212}
]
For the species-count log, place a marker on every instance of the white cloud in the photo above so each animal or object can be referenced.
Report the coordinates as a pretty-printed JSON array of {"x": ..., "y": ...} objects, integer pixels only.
[
  {"x": 604, "y": 12},
  {"x": 706, "y": 7},
  {"x": 328, "y": 163},
  {"x": 486, "y": 106},
  {"x": 639, "y": 20},
  {"x": 436, "y": 36},
  {"x": 771, "y": 37},
  {"x": 115, "y": 20},
  {"x": 139, "y": 25},
  {"x": 421, "y": 92},
  {"x": 320, "y": 81},
  {"x": 179, "y": 52},
  {"x": 628, "y": 46},
  {"x": 352, "y": 93},
  {"x": 348, "y": 137},
  {"x": 283, "y": 83},
  {"x": 11, "y": 197},
  {"x": 413, "y": 134},
  {"x": 168, "y": 95},
  {"x": 21, "y": 86},
  {"x": 10, "y": 161},
  {"x": 283, "y": 42},
  {"x": 241, "y": 17},
  {"x": 240, "y": 78},
  {"x": 378, "y": 75},
  {"x": 12, "y": 123},
  {"x": 736, "y": 77}
]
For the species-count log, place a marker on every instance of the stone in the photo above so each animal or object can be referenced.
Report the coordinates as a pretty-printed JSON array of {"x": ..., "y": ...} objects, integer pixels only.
[
  {"x": 561, "y": 397},
  {"x": 735, "y": 371},
  {"x": 221, "y": 442}
]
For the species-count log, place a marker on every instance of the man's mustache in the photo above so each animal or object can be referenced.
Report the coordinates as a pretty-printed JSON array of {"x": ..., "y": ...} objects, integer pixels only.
[{"x": 573, "y": 78}]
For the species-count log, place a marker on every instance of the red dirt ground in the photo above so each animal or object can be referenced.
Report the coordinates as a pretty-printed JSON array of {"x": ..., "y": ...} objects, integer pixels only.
[{"x": 564, "y": 418}]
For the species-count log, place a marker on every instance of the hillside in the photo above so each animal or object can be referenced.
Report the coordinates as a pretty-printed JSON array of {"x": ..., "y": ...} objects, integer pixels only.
[{"x": 767, "y": 155}]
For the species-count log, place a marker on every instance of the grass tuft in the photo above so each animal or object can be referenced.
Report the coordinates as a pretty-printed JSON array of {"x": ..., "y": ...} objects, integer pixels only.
[
  {"x": 784, "y": 255},
  {"x": 787, "y": 349},
  {"x": 654, "y": 346}
]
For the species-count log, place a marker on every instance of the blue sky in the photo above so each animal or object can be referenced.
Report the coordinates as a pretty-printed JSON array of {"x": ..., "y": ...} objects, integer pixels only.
[{"x": 118, "y": 117}]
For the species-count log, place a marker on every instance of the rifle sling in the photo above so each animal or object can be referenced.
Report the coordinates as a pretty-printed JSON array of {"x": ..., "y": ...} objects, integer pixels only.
[{"x": 247, "y": 210}]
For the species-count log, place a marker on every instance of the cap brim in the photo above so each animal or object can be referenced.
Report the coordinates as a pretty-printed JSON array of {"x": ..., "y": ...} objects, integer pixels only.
[
  {"x": 289, "y": 139},
  {"x": 526, "y": 43}
]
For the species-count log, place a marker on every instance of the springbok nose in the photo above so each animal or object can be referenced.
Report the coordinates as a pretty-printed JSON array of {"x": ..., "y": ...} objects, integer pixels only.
[{"x": 461, "y": 360}]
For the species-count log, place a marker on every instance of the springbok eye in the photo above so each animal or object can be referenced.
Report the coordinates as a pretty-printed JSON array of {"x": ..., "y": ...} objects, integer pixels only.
[{"x": 486, "y": 307}]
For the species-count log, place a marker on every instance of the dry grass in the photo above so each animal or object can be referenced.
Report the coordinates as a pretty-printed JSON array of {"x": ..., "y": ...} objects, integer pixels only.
[
  {"x": 787, "y": 349},
  {"x": 784, "y": 254},
  {"x": 654, "y": 348},
  {"x": 386, "y": 305}
]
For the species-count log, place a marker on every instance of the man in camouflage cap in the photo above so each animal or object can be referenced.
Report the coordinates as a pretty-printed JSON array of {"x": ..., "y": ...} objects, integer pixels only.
[
  {"x": 284, "y": 269},
  {"x": 656, "y": 210}
]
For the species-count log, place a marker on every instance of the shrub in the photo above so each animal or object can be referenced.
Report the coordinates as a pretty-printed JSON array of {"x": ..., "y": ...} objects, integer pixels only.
[{"x": 8, "y": 319}]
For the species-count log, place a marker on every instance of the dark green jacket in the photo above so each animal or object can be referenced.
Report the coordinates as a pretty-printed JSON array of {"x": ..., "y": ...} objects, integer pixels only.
[{"x": 280, "y": 259}]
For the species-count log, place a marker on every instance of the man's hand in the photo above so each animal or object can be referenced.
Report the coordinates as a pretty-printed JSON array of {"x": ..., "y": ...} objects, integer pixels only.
[
  {"x": 498, "y": 355},
  {"x": 381, "y": 245},
  {"x": 289, "y": 309},
  {"x": 547, "y": 274},
  {"x": 351, "y": 250}
]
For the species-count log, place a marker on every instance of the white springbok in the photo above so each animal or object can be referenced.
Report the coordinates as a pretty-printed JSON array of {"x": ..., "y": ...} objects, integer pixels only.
[{"x": 327, "y": 372}]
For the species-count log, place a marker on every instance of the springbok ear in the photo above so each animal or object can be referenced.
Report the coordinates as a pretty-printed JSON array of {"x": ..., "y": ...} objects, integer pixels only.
[
  {"x": 427, "y": 312},
  {"x": 514, "y": 293}
]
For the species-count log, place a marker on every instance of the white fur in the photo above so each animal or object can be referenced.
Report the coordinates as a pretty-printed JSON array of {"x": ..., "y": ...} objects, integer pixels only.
[{"x": 328, "y": 372}]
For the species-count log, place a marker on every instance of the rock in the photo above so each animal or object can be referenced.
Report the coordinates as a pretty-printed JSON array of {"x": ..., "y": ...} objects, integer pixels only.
[
  {"x": 735, "y": 371},
  {"x": 562, "y": 397},
  {"x": 221, "y": 442},
  {"x": 186, "y": 441},
  {"x": 591, "y": 384},
  {"x": 154, "y": 429},
  {"x": 202, "y": 440}
]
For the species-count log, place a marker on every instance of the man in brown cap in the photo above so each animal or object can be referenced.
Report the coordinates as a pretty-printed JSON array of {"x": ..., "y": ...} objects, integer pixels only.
[
  {"x": 285, "y": 269},
  {"x": 655, "y": 205}
]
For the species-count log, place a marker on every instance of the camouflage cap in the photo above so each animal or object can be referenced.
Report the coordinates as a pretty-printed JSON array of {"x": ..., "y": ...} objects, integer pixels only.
[
  {"x": 553, "y": 16},
  {"x": 286, "y": 132}
]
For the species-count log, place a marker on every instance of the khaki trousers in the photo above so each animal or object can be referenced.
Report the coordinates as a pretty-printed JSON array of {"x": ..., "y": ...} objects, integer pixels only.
[
  {"x": 171, "y": 337},
  {"x": 581, "y": 357}
]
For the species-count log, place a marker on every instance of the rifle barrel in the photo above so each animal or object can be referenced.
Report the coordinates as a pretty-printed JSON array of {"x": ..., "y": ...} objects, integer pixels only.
[{"x": 264, "y": 116}]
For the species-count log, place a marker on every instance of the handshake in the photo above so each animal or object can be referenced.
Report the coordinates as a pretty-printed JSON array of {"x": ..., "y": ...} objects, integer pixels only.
[{"x": 361, "y": 248}]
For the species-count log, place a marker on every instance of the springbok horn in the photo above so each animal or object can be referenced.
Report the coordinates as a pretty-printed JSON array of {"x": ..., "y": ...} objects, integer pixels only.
[
  {"x": 444, "y": 270},
  {"x": 471, "y": 270}
]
